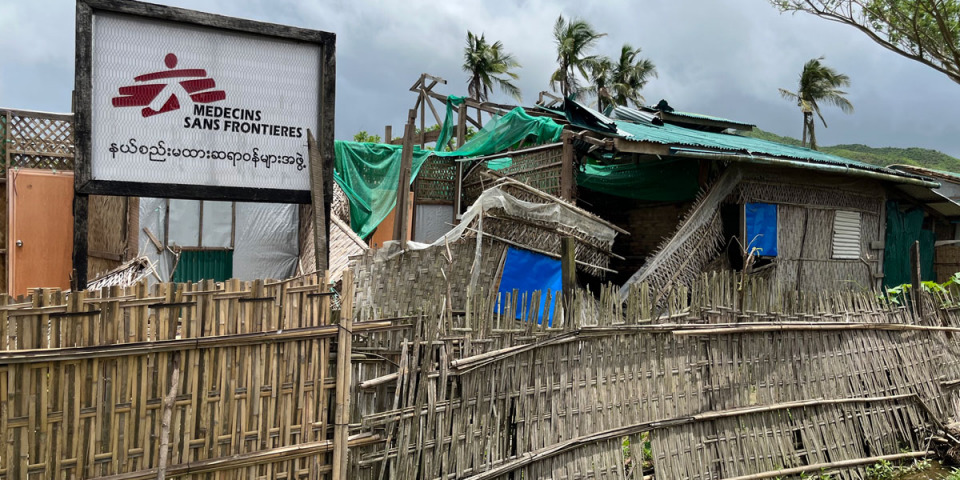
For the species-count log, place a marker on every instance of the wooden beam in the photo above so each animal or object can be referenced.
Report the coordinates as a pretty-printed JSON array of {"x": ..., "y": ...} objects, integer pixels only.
[
  {"x": 568, "y": 275},
  {"x": 915, "y": 279},
  {"x": 436, "y": 115},
  {"x": 320, "y": 229},
  {"x": 648, "y": 148},
  {"x": 388, "y": 134},
  {"x": 566, "y": 170},
  {"x": 403, "y": 187}
]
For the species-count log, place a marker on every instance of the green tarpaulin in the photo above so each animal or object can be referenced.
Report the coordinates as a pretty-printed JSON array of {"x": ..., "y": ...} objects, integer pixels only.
[
  {"x": 659, "y": 180},
  {"x": 370, "y": 172}
]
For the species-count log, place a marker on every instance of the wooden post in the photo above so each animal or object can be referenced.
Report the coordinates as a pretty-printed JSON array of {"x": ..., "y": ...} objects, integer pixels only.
[
  {"x": 80, "y": 225},
  {"x": 388, "y": 134},
  {"x": 403, "y": 187},
  {"x": 915, "y": 279},
  {"x": 423, "y": 119},
  {"x": 458, "y": 180},
  {"x": 320, "y": 243},
  {"x": 568, "y": 276},
  {"x": 342, "y": 409},
  {"x": 566, "y": 168}
]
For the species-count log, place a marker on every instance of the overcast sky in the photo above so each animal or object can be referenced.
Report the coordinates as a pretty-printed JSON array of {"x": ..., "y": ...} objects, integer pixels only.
[{"x": 725, "y": 58}]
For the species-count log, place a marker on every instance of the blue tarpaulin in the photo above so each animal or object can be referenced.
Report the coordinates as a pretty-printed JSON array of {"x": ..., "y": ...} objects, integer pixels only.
[
  {"x": 528, "y": 272},
  {"x": 761, "y": 223}
]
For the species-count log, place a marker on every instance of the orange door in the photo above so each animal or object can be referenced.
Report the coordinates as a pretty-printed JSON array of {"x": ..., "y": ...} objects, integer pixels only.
[{"x": 40, "y": 230}]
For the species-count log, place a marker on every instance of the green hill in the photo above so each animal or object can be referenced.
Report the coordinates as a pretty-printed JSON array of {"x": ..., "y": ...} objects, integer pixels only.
[{"x": 883, "y": 156}]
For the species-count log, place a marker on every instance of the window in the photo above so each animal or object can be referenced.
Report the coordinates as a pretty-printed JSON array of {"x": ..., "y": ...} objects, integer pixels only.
[
  {"x": 760, "y": 222},
  {"x": 846, "y": 235},
  {"x": 202, "y": 234}
]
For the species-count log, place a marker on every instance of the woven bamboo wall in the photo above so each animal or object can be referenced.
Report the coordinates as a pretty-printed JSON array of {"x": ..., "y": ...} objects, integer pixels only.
[
  {"x": 540, "y": 169},
  {"x": 806, "y": 209},
  {"x": 796, "y": 382},
  {"x": 243, "y": 370},
  {"x": 107, "y": 233},
  {"x": 436, "y": 182},
  {"x": 389, "y": 283}
]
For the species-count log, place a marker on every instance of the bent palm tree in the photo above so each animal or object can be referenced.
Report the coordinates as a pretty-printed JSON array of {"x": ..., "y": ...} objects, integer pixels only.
[
  {"x": 574, "y": 40},
  {"x": 818, "y": 83},
  {"x": 620, "y": 83},
  {"x": 488, "y": 64}
]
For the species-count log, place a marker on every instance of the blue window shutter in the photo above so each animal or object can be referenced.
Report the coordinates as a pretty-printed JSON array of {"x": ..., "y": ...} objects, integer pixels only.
[{"x": 760, "y": 220}]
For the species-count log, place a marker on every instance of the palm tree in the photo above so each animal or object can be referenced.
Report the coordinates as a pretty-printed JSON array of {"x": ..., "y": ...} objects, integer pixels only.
[
  {"x": 488, "y": 64},
  {"x": 574, "y": 40},
  {"x": 620, "y": 83},
  {"x": 818, "y": 83}
]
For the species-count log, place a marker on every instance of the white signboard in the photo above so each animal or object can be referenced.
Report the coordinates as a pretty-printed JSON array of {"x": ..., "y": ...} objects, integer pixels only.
[{"x": 175, "y": 103}]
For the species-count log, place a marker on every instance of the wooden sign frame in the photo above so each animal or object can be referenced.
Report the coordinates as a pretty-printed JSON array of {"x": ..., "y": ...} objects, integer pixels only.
[{"x": 85, "y": 185}]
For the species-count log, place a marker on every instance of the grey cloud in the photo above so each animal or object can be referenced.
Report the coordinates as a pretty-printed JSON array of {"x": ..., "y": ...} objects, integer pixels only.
[{"x": 722, "y": 58}]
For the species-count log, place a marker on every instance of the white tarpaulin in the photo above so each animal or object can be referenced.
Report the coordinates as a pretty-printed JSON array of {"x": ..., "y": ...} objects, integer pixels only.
[{"x": 265, "y": 244}]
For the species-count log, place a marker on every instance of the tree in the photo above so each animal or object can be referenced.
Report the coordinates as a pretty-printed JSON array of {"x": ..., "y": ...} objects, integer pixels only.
[
  {"x": 927, "y": 31},
  {"x": 363, "y": 136},
  {"x": 620, "y": 83},
  {"x": 818, "y": 84},
  {"x": 488, "y": 64},
  {"x": 574, "y": 40}
]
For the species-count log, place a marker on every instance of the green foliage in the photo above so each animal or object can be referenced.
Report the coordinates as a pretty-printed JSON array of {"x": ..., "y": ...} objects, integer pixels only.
[
  {"x": 954, "y": 474},
  {"x": 885, "y": 470},
  {"x": 818, "y": 84},
  {"x": 489, "y": 64},
  {"x": 618, "y": 82},
  {"x": 927, "y": 31},
  {"x": 363, "y": 136},
  {"x": 574, "y": 39},
  {"x": 882, "y": 156}
]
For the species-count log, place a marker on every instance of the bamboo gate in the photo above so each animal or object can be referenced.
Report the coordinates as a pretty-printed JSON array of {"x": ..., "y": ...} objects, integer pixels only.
[{"x": 268, "y": 379}]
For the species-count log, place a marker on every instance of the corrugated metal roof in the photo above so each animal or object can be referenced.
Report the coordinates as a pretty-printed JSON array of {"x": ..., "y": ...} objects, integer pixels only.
[
  {"x": 930, "y": 172},
  {"x": 709, "y": 117},
  {"x": 673, "y": 135}
]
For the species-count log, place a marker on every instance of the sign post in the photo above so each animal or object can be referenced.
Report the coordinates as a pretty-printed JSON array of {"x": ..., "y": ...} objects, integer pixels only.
[{"x": 181, "y": 104}]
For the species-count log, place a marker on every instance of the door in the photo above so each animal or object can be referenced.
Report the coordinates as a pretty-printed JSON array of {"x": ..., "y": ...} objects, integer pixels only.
[{"x": 40, "y": 229}]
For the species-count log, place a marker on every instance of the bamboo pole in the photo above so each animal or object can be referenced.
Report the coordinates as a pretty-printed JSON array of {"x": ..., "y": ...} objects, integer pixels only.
[
  {"x": 167, "y": 415},
  {"x": 575, "y": 443},
  {"x": 342, "y": 410},
  {"x": 817, "y": 467}
]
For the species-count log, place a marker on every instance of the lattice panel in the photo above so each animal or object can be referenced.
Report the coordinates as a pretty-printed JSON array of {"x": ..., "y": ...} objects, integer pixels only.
[
  {"x": 39, "y": 140},
  {"x": 436, "y": 181}
]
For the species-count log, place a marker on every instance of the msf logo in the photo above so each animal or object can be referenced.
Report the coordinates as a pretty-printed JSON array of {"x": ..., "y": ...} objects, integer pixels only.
[{"x": 166, "y": 90}]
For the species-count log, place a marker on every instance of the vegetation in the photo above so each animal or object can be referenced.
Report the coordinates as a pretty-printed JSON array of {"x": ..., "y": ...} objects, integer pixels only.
[
  {"x": 885, "y": 470},
  {"x": 489, "y": 64},
  {"x": 882, "y": 156},
  {"x": 818, "y": 84},
  {"x": 574, "y": 38},
  {"x": 926, "y": 31},
  {"x": 363, "y": 136},
  {"x": 618, "y": 82}
]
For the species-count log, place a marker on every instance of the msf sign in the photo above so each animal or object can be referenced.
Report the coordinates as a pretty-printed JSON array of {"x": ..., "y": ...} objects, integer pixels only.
[{"x": 167, "y": 89}]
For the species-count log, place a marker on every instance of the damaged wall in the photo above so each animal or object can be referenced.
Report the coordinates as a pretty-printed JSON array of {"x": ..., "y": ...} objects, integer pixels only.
[{"x": 265, "y": 240}]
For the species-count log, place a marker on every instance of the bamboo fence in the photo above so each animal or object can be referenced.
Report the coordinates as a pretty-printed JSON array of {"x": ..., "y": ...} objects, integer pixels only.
[
  {"x": 722, "y": 379},
  {"x": 229, "y": 380},
  {"x": 717, "y": 380}
]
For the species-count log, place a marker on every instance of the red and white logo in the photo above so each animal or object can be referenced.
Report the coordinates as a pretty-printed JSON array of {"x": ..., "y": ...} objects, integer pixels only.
[{"x": 167, "y": 94}]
